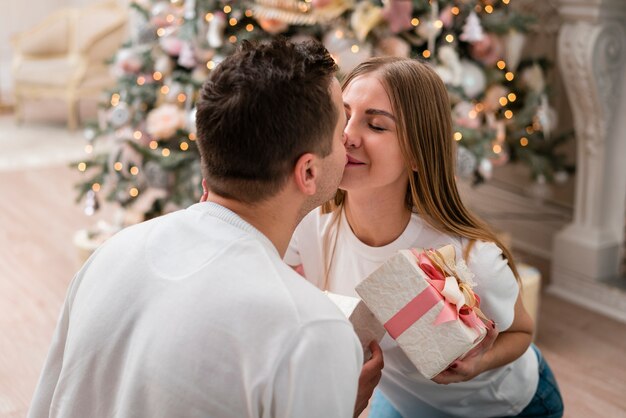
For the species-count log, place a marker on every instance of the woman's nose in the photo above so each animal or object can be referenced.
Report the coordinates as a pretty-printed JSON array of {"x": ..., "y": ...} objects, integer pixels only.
[{"x": 351, "y": 135}]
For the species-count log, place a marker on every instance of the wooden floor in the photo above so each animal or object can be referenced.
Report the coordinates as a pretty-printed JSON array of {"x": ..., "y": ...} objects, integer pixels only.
[{"x": 37, "y": 260}]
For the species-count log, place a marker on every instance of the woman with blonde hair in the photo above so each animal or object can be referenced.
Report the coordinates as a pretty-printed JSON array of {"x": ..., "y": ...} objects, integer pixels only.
[{"x": 399, "y": 191}]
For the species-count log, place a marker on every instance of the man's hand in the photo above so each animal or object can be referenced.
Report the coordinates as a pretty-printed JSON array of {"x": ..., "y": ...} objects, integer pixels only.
[
  {"x": 369, "y": 378},
  {"x": 471, "y": 365}
]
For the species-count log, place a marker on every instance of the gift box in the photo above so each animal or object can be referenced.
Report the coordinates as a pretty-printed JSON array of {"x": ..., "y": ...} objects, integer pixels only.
[
  {"x": 365, "y": 324},
  {"x": 424, "y": 300}
]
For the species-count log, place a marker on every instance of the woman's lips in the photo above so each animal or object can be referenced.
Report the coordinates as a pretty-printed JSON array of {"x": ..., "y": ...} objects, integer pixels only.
[{"x": 351, "y": 161}]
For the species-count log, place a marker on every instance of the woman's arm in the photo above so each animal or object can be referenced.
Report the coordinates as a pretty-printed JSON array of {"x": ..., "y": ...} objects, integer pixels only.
[{"x": 494, "y": 351}]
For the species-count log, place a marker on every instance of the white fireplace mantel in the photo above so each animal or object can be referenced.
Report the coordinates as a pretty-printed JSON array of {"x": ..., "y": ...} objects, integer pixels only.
[{"x": 592, "y": 61}]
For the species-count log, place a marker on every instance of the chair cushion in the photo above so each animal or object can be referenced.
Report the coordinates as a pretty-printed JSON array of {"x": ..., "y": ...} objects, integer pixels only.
[{"x": 45, "y": 72}]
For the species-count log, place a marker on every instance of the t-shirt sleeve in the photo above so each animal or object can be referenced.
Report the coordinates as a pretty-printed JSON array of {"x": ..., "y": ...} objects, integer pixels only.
[
  {"x": 495, "y": 283},
  {"x": 318, "y": 374}
]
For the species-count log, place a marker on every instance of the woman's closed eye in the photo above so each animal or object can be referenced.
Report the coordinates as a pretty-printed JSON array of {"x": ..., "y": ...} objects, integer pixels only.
[{"x": 377, "y": 128}]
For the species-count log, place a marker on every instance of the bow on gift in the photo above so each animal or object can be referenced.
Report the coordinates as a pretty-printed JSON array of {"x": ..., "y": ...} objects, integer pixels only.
[{"x": 459, "y": 301}]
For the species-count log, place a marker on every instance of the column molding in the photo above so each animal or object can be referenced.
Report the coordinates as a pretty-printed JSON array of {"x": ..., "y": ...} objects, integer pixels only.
[{"x": 592, "y": 58}]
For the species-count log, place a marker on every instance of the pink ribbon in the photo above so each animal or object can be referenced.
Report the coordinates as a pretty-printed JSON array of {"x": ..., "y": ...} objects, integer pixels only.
[{"x": 425, "y": 300}]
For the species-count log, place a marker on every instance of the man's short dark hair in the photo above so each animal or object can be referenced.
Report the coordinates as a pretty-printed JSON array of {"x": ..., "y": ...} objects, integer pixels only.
[{"x": 259, "y": 111}]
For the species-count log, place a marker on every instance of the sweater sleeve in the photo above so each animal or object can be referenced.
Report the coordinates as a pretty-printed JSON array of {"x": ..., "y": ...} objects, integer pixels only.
[
  {"x": 318, "y": 374},
  {"x": 495, "y": 283},
  {"x": 49, "y": 378},
  {"x": 292, "y": 255}
]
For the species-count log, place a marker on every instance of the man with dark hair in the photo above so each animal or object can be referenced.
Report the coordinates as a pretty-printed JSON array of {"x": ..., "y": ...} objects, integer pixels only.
[{"x": 194, "y": 314}]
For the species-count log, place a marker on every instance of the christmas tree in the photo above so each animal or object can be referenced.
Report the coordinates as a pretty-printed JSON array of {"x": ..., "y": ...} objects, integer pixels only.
[{"x": 499, "y": 103}]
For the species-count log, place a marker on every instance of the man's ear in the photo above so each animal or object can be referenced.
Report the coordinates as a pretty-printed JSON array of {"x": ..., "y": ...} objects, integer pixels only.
[{"x": 305, "y": 173}]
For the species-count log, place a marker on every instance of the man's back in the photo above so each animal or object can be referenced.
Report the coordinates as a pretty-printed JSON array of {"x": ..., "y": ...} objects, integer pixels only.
[{"x": 205, "y": 321}]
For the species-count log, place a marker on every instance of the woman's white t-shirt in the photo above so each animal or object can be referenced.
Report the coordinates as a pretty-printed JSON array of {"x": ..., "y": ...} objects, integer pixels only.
[{"x": 504, "y": 391}]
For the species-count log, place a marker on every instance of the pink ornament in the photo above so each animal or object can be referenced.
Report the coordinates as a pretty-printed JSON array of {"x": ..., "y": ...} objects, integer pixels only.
[
  {"x": 171, "y": 45},
  {"x": 488, "y": 50},
  {"x": 273, "y": 26},
  {"x": 187, "y": 58},
  {"x": 398, "y": 14},
  {"x": 320, "y": 4},
  {"x": 446, "y": 17}
]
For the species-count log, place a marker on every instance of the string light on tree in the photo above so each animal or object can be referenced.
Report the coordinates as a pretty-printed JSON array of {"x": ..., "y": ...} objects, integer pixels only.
[{"x": 193, "y": 37}]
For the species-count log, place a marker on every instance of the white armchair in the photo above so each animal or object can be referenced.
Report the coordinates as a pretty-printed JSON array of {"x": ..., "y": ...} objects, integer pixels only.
[{"x": 64, "y": 56}]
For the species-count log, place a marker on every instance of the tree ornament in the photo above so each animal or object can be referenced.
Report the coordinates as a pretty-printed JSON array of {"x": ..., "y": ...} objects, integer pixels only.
[
  {"x": 342, "y": 48},
  {"x": 287, "y": 12},
  {"x": 546, "y": 116},
  {"x": 561, "y": 177},
  {"x": 392, "y": 46},
  {"x": 473, "y": 81},
  {"x": 89, "y": 134},
  {"x": 450, "y": 69},
  {"x": 472, "y": 30},
  {"x": 539, "y": 189},
  {"x": 462, "y": 115},
  {"x": 119, "y": 115},
  {"x": 215, "y": 33},
  {"x": 164, "y": 121},
  {"x": 186, "y": 58},
  {"x": 398, "y": 14},
  {"x": 365, "y": 17},
  {"x": 191, "y": 120},
  {"x": 533, "y": 78},
  {"x": 485, "y": 169},
  {"x": 156, "y": 176},
  {"x": 488, "y": 50},
  {"x": 513, "y": 45},
  {"x": 91, "y": 203},
  {"x": 190, "y": 9},
  {"x": 164, "y": 65},
  {"x": 465, "y": 162}
]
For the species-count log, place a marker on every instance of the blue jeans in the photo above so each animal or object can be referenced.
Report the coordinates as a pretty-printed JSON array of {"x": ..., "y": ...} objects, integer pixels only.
[{"x": 546, "y": 403}]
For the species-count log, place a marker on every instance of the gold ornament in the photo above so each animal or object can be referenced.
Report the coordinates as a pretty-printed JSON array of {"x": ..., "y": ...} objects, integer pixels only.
[{"x": 297, "y": 12}]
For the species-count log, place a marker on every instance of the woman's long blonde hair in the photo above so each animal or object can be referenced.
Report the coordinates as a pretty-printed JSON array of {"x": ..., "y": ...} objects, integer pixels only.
[{"x": 419, "y": 100}]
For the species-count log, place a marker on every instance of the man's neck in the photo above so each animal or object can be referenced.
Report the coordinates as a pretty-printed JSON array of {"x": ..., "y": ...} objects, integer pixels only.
[{"x": 275, "y": 220}]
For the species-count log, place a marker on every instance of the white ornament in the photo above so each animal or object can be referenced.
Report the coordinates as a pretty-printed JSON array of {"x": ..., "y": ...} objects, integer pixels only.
[
  {"x": 547, "y": 117},
  {"x": 364, "y": 18},
  {"x": 561, "y": 176},
  {"x": 513, "y": 45},
  {"x": 539, "y": 189},
  {"x": 187, "y": 58},
  {"x": 215, "y": 33},
  {"x": 429, "y": 30},
  {"x": 119, "y": 115},
  {"x": 465, "y": 115},
  {"x": 485, "y": 168},
  {"x": 191, "y": 120},
  {"x": 533, "y": 78},
  {"x": 164, "y": 65},
  {"x": 473, "y": 81},
  {"x": 89, "y": 134},
  {"x": 450, "y": 69},
  {"x": 343, "y": 52},
  {"x": 472, "y": 30},
  {"x": 465, "y": 162},
  {"x": 190, "y": 9}
]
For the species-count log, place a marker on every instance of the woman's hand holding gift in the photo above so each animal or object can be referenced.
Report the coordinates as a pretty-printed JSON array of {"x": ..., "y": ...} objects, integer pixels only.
[{"x": 472, "y": 364}]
